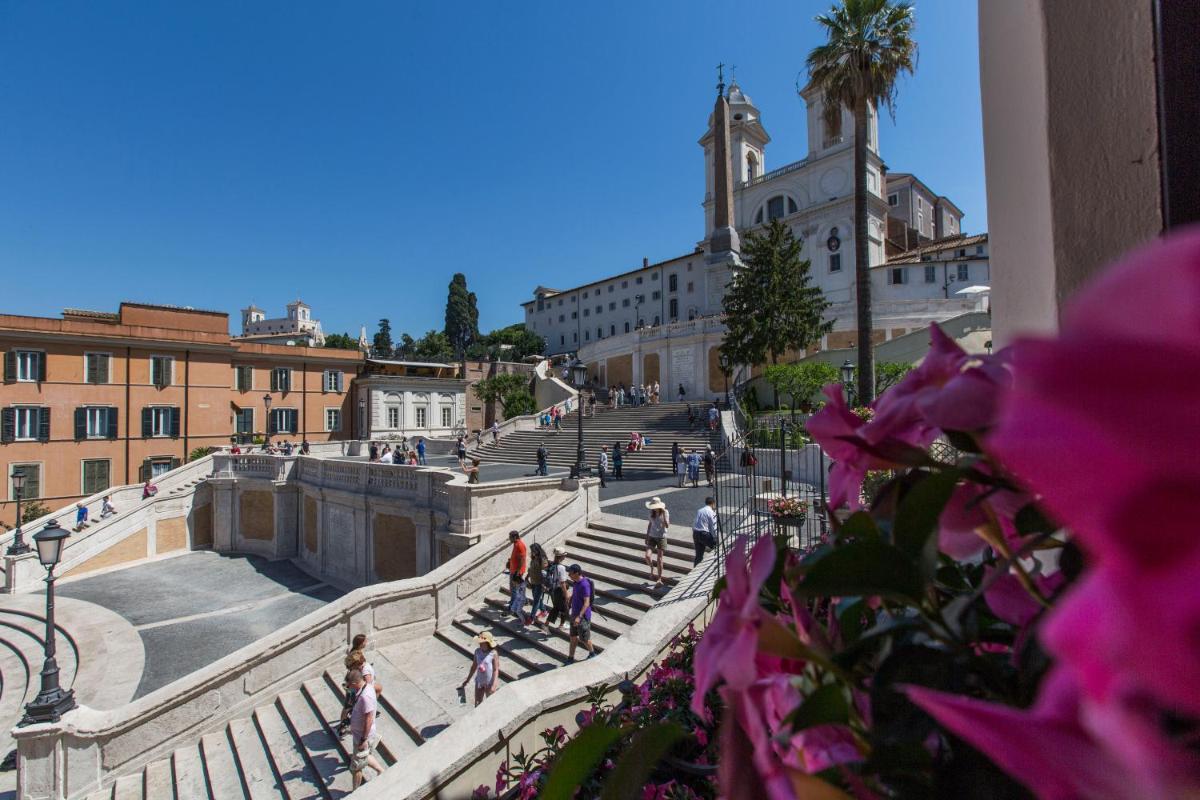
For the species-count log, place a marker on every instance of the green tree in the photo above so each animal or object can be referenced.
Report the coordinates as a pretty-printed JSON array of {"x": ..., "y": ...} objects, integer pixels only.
[
  {"x": 382, "y": 346},
  {"x": 870, "y": 44},
  {"x": 341, "y": 341},
  {"x": 462, "y": 314},
  {"x": 889, "y": 373},
  {"x": 511, "y": 343},
  {"x": 510, "y": 390},
  {"x": 771, "y": 306},
  {"x": 801, "y": 382},
  {"x": 433, "y": 346}
]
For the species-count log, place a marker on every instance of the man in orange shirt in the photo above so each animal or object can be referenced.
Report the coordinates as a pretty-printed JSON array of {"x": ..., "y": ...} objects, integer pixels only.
[{"x": 516, "y": 574}]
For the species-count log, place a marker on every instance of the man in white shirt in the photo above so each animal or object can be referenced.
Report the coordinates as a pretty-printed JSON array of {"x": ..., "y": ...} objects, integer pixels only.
[
  {"x": 603, "y": 464},
  {"x": 704, "y": 529},
  {"x": 362, "y": 728}
]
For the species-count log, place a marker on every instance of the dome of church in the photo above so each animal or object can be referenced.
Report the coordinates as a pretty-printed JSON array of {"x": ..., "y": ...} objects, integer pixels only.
[{"x": 738, "y": 97}]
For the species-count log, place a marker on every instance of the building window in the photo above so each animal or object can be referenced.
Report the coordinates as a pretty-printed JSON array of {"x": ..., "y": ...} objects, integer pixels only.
[
  {"x": 26, "y": 424},
  {"x": 587, "y": 312},
  {"x": 447, "y": 417},
  {"x": 599, "y": 309},
  {"x": 587, "y": 336},
  {"x": 930, "y": 274},
  {"x": 962, "y": 253},
  {"x": 32, "y": 489},
  {"x": 639, "y": 280},
  {"x": 691, "y": 287},
  {"x": 627, "y": 327},
  {"x": 562, "y": 317},
  {"x": 672, "y": 283},
  {"x": 421, "y": 417},
  {"x": 243, "y": 378},
  {"x": 775, "y": 208},
  {"x": 575, "y": 338},
  {"x": 573, "y": 298},
  {"x": 157, "y": 466},
  {"x": 625, "y": 303},
  {"x": 95, "y": 476},
  {"x": 96, "y": 368},
  {"x": 243, "y": 421},
  {"x": 393, "y": 416},
  {"x": 585, "y": 295},
  {"x": 333, "y": 419},
  {"x": 653, "y": 276},
  {"x": 897, "y": 276},
  {"x": 978, "y": 249},
  {"x": 27, "y": 366},
  {"x": 964, "y": 272},
  {"x": 284, "y": 420},
  {"x": 163, "y": 421},
  {"x": 562, "y": 340},
  {"x": 612, "y": 306},
  {"x": 599, "y": 333},
  {"x": 162, "y": 369},
  {"x": 656, "y": 321},
  {"x": 920, "y": 203},
  {"x": 893, "y": 199},
  {"x": 281, "y": 379},
  {"x": 920, "y": 220},
  {"x": 95, "y": 422},
  {"x": 655, "y": 295},
  {"x": 624, "y": 284},
  {"x": 333, "y": 380},
  {"x": 610, "y": 288},
  {"x": 560, "y": 302},
  {"x": 835, "y": 262},
  {"x": 541, "y": 304},
  {"x": 574, "y": 315},
  {"x": 612, "y": 330},
  {"x": 673, "y": 309}
]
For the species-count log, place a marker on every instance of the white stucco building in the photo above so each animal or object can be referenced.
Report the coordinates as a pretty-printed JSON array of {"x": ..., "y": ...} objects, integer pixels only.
[
  {"x": 298, "y": 326},
  {"x": 662, "y": 321},
  {"x": 407, "y": 398}
]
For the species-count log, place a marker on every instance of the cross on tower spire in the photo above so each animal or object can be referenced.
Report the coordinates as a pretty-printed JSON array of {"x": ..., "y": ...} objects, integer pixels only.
[{"x": 721, "y": 78}]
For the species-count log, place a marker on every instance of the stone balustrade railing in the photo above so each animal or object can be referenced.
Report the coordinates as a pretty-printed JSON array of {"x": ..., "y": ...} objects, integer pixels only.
[{"x": 67, "y": 759}]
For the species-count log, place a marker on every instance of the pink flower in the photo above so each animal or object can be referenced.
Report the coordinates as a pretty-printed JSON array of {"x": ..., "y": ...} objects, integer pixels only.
[
  {"x": 899, "y": 412},
  {"x": 1059, "y": 753},
  {"x": 1009, "y": 600},
  {"x": 481, "y": 792},
  {"x": 728, "y": 646},
  {"x": 960, "y": 518}
]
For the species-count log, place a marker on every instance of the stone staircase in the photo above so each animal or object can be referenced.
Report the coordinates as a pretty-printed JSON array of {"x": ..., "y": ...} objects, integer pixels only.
[
  {"x": 288, "y": 748},
  {"x": 664, "y": 424},
  {"x": 22, "y": 643}
]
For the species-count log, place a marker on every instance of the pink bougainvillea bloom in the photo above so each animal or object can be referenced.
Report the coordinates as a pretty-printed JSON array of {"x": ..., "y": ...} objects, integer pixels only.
[
  {"x": 1010, "y": 601},
  {"x": 1051, "y": 749},
  {"x": 898, "y": 412},
  {"x": 728, "y": 647},
  {"x": 961, "y": 517}
]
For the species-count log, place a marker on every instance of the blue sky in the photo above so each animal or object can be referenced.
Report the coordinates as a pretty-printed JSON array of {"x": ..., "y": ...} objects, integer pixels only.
[{"x": 358, "y": 154}]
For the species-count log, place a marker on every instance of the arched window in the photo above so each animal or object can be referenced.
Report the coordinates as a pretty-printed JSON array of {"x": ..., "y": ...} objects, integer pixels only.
[
  {"x": 751, "y": 166},
  {"x": 777, "y": 207}
]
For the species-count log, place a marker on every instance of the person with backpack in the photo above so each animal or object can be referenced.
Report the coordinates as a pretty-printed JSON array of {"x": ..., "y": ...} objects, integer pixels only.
[
  {"x": 618, "y": 461},
  {"x": 558, "y": 584},
  {"x": 536, "y": 578},
  {"x": 542, "y": 460},
  {"x": 421, "y": 451},
  {"x": 517, "y": 563},
  {"x": 710, "y": 465},
  {"x": 581, "y": 612}
]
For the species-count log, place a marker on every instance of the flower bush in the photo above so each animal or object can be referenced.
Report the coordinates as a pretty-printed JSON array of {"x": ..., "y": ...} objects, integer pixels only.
[
  {"x": 1017, "y": 614},
  {"x": 784, "y": 507},
  {"x": 659, "y": 704}
]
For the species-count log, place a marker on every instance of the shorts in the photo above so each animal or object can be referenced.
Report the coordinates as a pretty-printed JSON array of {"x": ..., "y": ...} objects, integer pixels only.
[
  {"x": 656, "y": 544},
  {"x": 358, "y": 759},
  {"x": 583, "y": 630}
]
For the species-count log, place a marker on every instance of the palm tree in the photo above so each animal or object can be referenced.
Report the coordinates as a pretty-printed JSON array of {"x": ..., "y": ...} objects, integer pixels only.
[{"x": 870, "y": 45}]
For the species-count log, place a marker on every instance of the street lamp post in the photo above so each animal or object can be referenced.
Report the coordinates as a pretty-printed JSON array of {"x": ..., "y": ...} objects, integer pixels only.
[
  {"x": 847, "y": 371},
  {"x": 579, "y": 373},
  {"x": 19, "y": 545},
  {"x": 362, "y": 418},
  {"x": 267, "y": 403},
  {"x": 724, "y": 361},
  {"x": 52, "y": 701}
]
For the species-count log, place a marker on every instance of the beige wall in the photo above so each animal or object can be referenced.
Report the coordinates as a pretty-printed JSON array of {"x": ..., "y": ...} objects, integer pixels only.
[{"x": 1070, "y": 141}]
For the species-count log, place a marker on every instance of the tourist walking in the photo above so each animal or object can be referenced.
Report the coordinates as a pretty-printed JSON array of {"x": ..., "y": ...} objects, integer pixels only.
[
  {"x": 618, "y": 461},
  {"x": 517, "y": 564},
  {"x": 362, "y": 728},
  {"x": 536, "y": 578},
  {"x": 682, "y": 393},
  {"x": 675, "y": 455},
  {"x": 559, "y": 587},
  {"x": 691, "y": 417},
  {"x": 386, "y": 456},
  {"x": 656, "y": 538},
  {"x": 485, "y": 668},
  {"x": 461, "y": 448},
  {"x": 81, "y": 517},
  {"x": 656, "y": 391},
  {"x": 304, "y": 447},
  {"x": 421, "y": 451},
  {"x": 373, "y": 453},
  {"x": 704, "y": 529},
  {"x": 713, "y": 416},
  {"x": 681, "y": 469},
  {"x": 581, "y": 611},
  {"x": 710, "y": 466},
  {"x": 495, "y": 429},
  {"x": 557, "y": 420},
  {"x": 693, "y": 465},
  {"x": 356, "y": 659},
  {"x": 603, "y": 464},
  {"x": 107, "y": 509},
  {"x": 542, "y": 456}
]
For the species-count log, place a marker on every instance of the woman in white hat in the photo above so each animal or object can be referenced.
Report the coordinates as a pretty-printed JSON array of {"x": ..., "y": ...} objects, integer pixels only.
[
  {"x": 656, "y": 537},
  {"x": 485, "y": 667}
]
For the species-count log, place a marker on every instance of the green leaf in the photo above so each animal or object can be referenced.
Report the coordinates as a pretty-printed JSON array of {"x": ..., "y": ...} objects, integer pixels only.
[
  {"x": 859, "y": 525},
  {"x": 917, "y": 518},
  {"x": 633, "y": 768},
  {"x": 1031, "y": 519},
  {"x": 577, "y": 760},
  {"x": 826, "y": 706},
  {"x": 864, "y": 567}
]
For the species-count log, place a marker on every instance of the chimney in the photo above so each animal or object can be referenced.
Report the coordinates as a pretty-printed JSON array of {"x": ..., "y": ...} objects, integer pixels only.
[{"x": 645, "y": 262}]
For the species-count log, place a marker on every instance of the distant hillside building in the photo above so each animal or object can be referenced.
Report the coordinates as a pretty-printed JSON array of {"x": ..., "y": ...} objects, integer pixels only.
[{"x": 297, "y": 327}]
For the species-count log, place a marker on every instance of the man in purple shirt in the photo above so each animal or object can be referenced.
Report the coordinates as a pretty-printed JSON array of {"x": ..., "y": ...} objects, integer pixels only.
[{"x": 581, "y": 611}]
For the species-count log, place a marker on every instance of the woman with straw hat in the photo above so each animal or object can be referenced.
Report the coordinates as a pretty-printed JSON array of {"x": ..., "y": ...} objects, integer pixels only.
[
  {"x": 485, "y": 667},
  {"x": 656, "y": 537}
]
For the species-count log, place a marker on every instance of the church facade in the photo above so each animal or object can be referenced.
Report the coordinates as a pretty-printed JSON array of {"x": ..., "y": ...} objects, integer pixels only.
[{"x": 663, "y": 323}]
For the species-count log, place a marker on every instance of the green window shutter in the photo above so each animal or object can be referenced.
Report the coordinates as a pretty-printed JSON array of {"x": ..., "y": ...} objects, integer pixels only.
[
  {"x": 44, "y": 425},
  {"x": 112, "y": 423},
  {"x": 274, "y": 380},
  {"x": 144, "y": 471},
  {"x": 41, "y": 367},
  {"x": 175, "y": 462},
  {"x": 174, "y": 423},
  {"x": 8, "y": 424},
  {"x": 10, "y": 367},
  {"x": 147, "y": 422},
  {"x": 271, "y": 418},
  {"x": 80, "y": 424}
]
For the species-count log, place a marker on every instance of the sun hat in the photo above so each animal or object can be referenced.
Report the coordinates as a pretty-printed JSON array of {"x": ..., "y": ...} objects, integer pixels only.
[
  {"x": 560, "y": 551},
  {"x": 487, "y": 638},
  {"x": 656, "y": 503}
]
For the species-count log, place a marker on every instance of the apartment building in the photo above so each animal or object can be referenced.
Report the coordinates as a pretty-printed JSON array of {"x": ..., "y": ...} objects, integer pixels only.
[{"x": 96, "y": 399}]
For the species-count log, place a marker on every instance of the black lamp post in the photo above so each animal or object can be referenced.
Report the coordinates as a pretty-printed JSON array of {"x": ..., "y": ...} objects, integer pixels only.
[
  {"x": 847, "y": 371},
  {"x": 362, "y": 417},
  {"x": 579, "y": 373},
  {"x": 19, "y": 544},
  {"x": 267, "y": 403},
  {"x": 52, "y": 702},
  {"x": 724, "y": 361}
]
